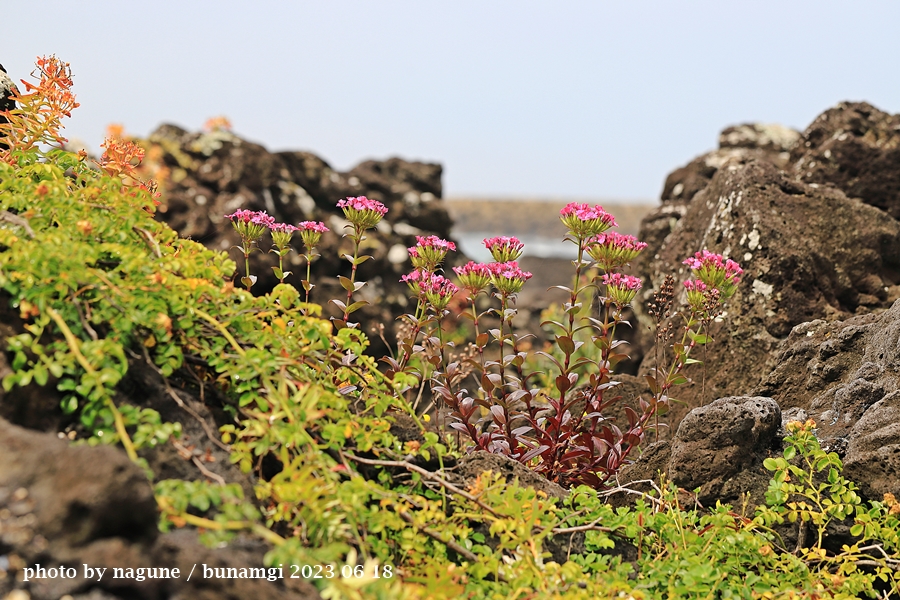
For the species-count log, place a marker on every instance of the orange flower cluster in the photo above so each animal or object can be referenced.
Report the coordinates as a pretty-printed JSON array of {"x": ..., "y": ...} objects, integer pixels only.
[
  {"x": 121, "y": 158},
  {"x": 220, "y": 123},
  {"x": 41, "y": 108}
]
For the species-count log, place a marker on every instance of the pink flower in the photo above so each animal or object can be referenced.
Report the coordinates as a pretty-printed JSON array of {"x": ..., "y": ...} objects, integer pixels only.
[
  {"x": 311, "y": 233},
  {"x": 362, "y": 212},
  {"x": 699, "y": 295},
  {"x": 504, "y": 249},
  {"x": 414, "y": 279},
  {"x": 473, "y": 277},
  {"x": 612, "y": 250},
  {"x": 317, "y": 226},
  {"x": 584, "y": 221},
  {"x": 716, "y": 272},
  {"x": 507, "y": 277},
  {"x": 242, "y": 215},
  {"x": 620, "y": 288},
  {"x": 693, "y": 285},
  {"x": 429, "y": 252},
  {"x": 433, "y": 241},
  {"x": 250, "y": 224},
  {"x": 283, "y": 228},
  {"x": 281, "y": 234},
  {"x": 437, "y": 290}
]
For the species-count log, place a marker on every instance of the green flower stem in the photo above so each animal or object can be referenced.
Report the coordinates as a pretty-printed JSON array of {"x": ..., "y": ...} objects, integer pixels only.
[
  {"x": 247, "y": 267},
  {"x": 477, "y": 333},
  {"x": 417, "y": 327},
  {"x": 308, "y": 256},
  {"x": 357, "y": 240},
  {"x": 510, "y": 439},
  {"x": 573, "y": 300}
]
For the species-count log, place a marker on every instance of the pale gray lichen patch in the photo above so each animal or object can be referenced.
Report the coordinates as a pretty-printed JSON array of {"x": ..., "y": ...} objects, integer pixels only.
[
  {"x": 753, "y": 240},
  {"x": 763, "y": 289}
]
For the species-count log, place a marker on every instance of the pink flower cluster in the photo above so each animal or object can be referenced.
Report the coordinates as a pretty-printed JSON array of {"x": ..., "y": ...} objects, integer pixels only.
[
  {"x": 252, "y": 216},
  {"x": 316, "y": 226},
  {"x": 584, "y": 220},
  {"x": 507, "y": 277},
  {"x": 362, "y": 212},
  {"x": 699, "y": 294},
  {"x": 716, "y": 272},
  {"x": 281, "y": 235},
  {"x": 250, "y": 224},
  {"x": 612, "y": 250},
  {"x": 311, "y": 233},
  {"x": 473, "y": 276},
  {"x": 503, "y": 248},
  {"x": 620, "y": 288},
  {"x": 283, "y": 228},
  {"x": 437, "y": 290},
  {"x": 429, "y": 252}
]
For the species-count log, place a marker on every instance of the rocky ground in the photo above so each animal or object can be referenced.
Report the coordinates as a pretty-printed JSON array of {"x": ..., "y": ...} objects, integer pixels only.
[{"x": 813, "y": 331}]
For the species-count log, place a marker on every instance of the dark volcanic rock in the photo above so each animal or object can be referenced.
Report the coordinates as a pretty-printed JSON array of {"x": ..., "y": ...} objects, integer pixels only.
[
  {"x": 77, "y": 494},
  {"x": 843, "y": 375},
  {"x": 67, "y": 506},
  {"x": 476, "y": 463},
  {"x": 752, "y": 141},
  {"x": 873, "y": 455},
  {"x": 215, "y": 173},
  {"x": 808, "y": 252},
  {"x": 7, "y": 90},
  {"x": 855, "y": 147},
  {"x": 737, "y": 145},
  {"x": 720, "y": 447}
]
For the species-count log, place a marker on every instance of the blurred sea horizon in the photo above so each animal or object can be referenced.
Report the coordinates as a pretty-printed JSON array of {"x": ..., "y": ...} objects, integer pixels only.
[{"x": 535, "y": 221}]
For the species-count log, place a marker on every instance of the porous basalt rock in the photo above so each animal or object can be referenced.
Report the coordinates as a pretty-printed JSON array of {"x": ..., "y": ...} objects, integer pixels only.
[
  {"x": 719, "y": 448},
  {"x": 737, "y": 145},
  {"x": 214, "y": 173},
  {"x": 63, "y": 505},
  {"x": 750, "y": 141},
  {"x": 807, "y": 251},
  {"x": 476, "y": 463},
  {"x": 843, "y": 375},
  {"x": 854, "y": 147},
  {"x": 873, "y": 452}
]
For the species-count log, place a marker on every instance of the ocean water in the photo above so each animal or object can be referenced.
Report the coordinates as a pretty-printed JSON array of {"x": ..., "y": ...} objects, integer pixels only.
[
  {"x": 535, "y": 222},
  {"x": 471, "y": 244}
]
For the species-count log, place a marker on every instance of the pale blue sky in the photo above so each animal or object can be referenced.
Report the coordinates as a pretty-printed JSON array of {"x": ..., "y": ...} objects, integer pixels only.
[{"x": 563, "y": 99}]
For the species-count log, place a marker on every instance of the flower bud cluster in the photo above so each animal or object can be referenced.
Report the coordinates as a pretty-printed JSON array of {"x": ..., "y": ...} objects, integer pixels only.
[
  {"x": 473, "y": 277},
  {"x": 282, "y": 234},
  {"x": 429, "y": 252},
  {"x": 436, "y": 289},
  {"x": 424, "y": 281},
  {"x": 311, "y": 233},
  {"x": 584, "y": 221},
  {"x": 621, "y": 289},
  {"x": 716, "y": 272},
  {"x": 250, "y": 224},
  {"x": 504, "y": 249},
  {"x": 507, "y": 277},
  {"x": 362, "y": 212},
  {"x": 612, "y": 250}
]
